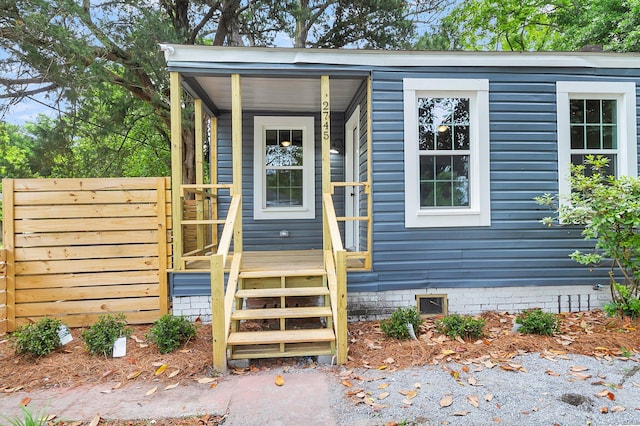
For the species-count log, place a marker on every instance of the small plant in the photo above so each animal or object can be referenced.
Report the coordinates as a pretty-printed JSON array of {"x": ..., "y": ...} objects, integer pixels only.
[
  {"x": 169, "y": 332},
  {"x": 38, "y": 339},
  {"x": 463, "y": 326},
  {"x": 397, "y": 325},
  {"x": 100, "y": 337},
  {"x": 626, "y": 304},
  {"x": 536, "y": 321},
  {"x": 28, "y": 418}
]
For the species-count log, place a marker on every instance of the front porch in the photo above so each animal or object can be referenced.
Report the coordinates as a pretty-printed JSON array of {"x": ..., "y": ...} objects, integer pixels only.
[{"x": 269, "y": 260}]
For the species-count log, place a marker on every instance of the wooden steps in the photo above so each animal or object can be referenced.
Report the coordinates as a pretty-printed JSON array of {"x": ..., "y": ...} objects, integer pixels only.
[
  {"x": 281, "y": 336},
  {"x": 282, "y": 292},
  {"x": 281, "y": 313},
  {"x": 299, "y": 312}
]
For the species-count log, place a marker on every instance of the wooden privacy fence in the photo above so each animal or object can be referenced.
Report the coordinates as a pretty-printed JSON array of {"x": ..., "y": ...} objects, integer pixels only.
[
  {"x": 79, "y": 248},
  {"x": 3, "y": 291}
]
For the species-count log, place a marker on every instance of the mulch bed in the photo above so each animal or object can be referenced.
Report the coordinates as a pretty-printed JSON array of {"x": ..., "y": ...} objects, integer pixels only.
[{"x": 587, "y": 333}]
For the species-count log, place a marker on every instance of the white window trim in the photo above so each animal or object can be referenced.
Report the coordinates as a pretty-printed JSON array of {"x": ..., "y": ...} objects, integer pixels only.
[
  {"x": 307, "y": 210},
  {"x": 479, "y": 212},
  {"x": 625, "y": 94}
]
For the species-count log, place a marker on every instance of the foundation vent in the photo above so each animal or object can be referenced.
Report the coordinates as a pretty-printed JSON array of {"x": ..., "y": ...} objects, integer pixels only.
[{"x": 431, "y": 305}]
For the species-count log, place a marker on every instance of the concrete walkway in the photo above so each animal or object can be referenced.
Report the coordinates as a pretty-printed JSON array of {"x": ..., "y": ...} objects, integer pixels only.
[{"x": 246, "y": 400}]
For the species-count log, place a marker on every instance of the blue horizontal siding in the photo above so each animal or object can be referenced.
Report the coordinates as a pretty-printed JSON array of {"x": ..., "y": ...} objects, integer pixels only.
[{"x": 516, "y": 250}]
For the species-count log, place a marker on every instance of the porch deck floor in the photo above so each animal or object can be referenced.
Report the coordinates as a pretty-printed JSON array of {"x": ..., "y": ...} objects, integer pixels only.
[{"x": 267, "y": 261}]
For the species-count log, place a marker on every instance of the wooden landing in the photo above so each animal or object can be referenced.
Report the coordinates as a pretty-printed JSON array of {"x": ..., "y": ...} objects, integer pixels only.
[{"x": 276, "y": 261}]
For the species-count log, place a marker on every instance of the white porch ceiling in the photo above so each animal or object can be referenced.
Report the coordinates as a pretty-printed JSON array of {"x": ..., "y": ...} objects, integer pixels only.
[{"x": 279, "y": 93}]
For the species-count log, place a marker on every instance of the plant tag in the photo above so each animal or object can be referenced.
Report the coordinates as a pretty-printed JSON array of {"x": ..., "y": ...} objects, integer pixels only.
[
  {"x": 120, "y": 347},
  {"x": 64, "y": 335}
]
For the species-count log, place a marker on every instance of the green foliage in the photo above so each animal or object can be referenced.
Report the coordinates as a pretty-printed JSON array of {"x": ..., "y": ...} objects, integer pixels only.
[
  {"x": 39, "y": 338},
  {"x": 609, "y": 210},
  {"x": 396, "y": 325},
  {"x": 536, "y": 321},
  {"x": 625, "y": 305},
  {"x": 463, "y": 326},
  {"x": 100, "y": 337},
  {"x": 547, "y": 25},
  {"x": 169, "y": 332},
  {"x": 28, "y": 418}
]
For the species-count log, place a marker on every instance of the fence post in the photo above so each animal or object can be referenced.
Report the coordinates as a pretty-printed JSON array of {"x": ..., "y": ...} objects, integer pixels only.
[
  {"x": 217, "y": 314},
  {"x": 341, "y": 327}
]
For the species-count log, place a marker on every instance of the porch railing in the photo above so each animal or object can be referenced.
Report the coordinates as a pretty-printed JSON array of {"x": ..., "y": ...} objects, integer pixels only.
[
  {"x": 205, "y": 199},
  {"x": 336, "y": 266},
  {"x": 221, "y": 302},
  {"x": 363, "y": 257}
]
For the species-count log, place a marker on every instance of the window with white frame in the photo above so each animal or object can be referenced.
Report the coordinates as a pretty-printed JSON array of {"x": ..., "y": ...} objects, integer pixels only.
[
  {"x": 446, "y": 152},
  {"x": 284, "y": 179},
  {"x": 596, "y": 118}
]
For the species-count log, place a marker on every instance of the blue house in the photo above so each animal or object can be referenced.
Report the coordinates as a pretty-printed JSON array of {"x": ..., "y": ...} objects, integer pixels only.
[{"x": 347, "y": 183}]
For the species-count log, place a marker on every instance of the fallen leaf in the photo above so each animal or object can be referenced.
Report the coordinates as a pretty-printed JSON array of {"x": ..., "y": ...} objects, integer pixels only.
[
  {"x": 107, "y": 373},
  {"x": 578, "y": 368},
  {"x": 448, "y": 352},
  {"x": 473, "y": 382},
  {"x": 25, "y": 401},
  {"x": 382, "y": 367},
  {"x": 604, "y": 410},
  {"x": 116, "y": 386},
  {"x": 174, "y": 373},
  {"x": 618, "y": 409},
  {"x": 446, "y": 400},
  {"x": 175, "y": 385},
  {"x": 106, "y": 391},
  {"x": 160, "y": 369},
  {"x": 465, "y": 368},
  {"x": 136, "y": 339},
  {"x": 134, "y": 375},
  {"x": 488, "y": 397},
  {"x": 636, "y": 384},
  {"x": 151, "y": 391},
  {"x": 279, "y": 380},
  {"x": 417, "y": 385},
  {"x": 157, "y": 363},
  {"x": 407, "y": 401},
  {"x": 581, "y": 376},
  {"x": 383, "y": 395},
  {"x": 383, "y": 385},
  {"x": 473, "y": 400},
  {"x": 611, "y": 396},
  {"x": 412, "y": 394},
  {"x": 389, "y": 360},
  {"x": 346, "y": 383},
  {"x": 213, "y": 385},
  {"x": 460, "y": 413},
  {"x": 95, "y": 421},
  {"x": 552, "y": 373},
  {"x": 205, "y": 380}
]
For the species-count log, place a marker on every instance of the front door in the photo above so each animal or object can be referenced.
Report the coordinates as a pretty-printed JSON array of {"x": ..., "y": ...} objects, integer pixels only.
[{"x": 352, "y": 174}]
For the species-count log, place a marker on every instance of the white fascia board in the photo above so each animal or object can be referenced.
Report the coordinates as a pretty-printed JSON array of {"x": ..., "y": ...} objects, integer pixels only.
[{"x": 187, "y": 54}]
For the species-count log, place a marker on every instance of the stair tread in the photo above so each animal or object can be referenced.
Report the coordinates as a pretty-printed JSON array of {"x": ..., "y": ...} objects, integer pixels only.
[
  {"x": 281, "y": 336},
  {"x": 291, "y": 312},
  {"x": 282, "y": 273},
  {"x": 279, "y": 291}
]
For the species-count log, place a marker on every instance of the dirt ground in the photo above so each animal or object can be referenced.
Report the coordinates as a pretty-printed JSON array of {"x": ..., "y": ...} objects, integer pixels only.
[{"x": 587, "y": 333}]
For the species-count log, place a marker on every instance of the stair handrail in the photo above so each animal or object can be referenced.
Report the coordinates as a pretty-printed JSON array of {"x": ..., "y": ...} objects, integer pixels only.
[
  {"x": 221, "y": 303},
  {"x": 335, "y": 260}
]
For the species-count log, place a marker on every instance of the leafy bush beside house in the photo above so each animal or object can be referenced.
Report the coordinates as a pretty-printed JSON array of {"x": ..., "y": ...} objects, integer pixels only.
[{"x": 609, "y": 210}]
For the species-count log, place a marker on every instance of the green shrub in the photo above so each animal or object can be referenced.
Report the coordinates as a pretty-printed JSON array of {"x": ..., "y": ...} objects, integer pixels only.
[
  {"x": 169, "y": 332},
  {"x": 626, "y": 305},
  {"x": 100, "y": 337},
  {"x": 535, "y": 321},
  {"x": 396, "y": 325},
  {"x": 609, "y": 211},
  {"x": 38, "y": 339},
  {"x": 463, "y": 326}
]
